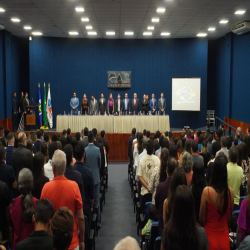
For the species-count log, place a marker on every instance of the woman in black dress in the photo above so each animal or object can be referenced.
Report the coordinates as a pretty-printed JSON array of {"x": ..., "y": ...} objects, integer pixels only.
[{"x": 145, "y": 105}]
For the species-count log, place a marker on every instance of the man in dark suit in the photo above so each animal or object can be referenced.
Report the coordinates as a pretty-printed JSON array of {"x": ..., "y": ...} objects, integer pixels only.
[
  {"x": 126, "y": 105},
  {"x": 22, "y": 157},
  {"x": 102, "y": 105},
  {"x": 85, "y": 138},
  {"x": 162, "y": 104},
  {"x": 135, "y": 105},
  {"x": 153, "y": 104},
  {"x": 105, "y": 142},
  {"x": 37, "y": 144},
  {"x": 118, "y": 105},
  {"x": 130, "y": 142},
  {"x": 9, "y": 150}
]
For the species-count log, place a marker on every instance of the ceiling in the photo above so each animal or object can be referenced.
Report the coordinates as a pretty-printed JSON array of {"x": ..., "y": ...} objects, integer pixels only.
[{"x": 182, "y": 18}]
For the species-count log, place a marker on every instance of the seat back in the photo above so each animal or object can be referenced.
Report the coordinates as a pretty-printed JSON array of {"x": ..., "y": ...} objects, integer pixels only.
[
  {"x": 157, "y": 243},
  {"x": 235, "y": 216},
  {"x": 153, "y": 235},
  {"x": 148, "y": 204}
]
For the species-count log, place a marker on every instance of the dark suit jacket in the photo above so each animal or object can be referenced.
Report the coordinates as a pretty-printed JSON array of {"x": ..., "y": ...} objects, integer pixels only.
[
  {"x": 37, "y": 146},
  {"x": 25, "y": 104},
  {"x": 130, "y": 142},
  {"x": 102, "y": 106},
  {"x": 116, "y": 105},
  {"x": 134, "y": 108},
  {"x": 9, "y": 151},
  {"x": 100, "y": 146},
  {"x": 21, "y": 158},
  {"x": 21, "y": 104}
]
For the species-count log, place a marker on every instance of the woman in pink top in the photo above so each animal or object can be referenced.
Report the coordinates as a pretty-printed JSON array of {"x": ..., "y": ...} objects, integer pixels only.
[
  {"x": 22, "y": 210},
  {"x": 110, "y": 105}
]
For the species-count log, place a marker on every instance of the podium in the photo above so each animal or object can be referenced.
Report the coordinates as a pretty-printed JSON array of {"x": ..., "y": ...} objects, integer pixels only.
[{"x": 30, "y": 118}]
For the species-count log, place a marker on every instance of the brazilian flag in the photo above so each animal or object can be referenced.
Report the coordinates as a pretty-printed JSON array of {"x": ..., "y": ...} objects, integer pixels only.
[
  {"x": 40, "y": 106},
  {"x": 44, "y": 108}
]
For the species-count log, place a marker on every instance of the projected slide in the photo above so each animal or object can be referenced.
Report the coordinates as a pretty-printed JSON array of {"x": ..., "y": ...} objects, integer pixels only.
[{"x": 186, "y": 94}]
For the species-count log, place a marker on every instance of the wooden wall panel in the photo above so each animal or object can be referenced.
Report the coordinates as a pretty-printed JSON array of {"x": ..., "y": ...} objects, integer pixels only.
[
  {"x": 236, "y": 124},
  {"x": 7, "y": 123}
]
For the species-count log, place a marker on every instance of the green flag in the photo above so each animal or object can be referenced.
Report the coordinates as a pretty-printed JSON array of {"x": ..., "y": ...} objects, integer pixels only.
[{"x": 44, "y": 108}]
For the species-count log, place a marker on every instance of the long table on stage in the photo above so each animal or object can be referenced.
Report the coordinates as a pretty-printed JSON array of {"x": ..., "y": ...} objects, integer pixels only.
[{"x": 113, "y": 124}]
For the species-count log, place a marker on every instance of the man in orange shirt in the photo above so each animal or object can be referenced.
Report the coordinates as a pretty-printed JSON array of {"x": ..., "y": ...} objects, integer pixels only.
[{"x": 63, "y": 192}]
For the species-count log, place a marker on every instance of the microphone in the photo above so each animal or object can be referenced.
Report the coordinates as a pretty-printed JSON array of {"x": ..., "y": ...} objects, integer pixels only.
[{"x": 34, "y": 101}]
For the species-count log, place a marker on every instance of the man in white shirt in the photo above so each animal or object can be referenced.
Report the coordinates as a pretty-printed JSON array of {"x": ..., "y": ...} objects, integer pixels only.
[
  {"x": 223, "y": 149},
  {"x": 143, "y": 153},
  {"x": 48, "y": 171}
]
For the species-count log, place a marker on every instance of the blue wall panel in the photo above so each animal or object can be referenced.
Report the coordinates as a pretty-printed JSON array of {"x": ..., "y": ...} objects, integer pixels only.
[
  {"x": 2, "y": 92},
  {"x": 81, "y": 65}
]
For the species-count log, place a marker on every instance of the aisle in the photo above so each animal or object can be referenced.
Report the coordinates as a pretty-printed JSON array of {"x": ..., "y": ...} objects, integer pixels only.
[{"x": 118, "y": 218}]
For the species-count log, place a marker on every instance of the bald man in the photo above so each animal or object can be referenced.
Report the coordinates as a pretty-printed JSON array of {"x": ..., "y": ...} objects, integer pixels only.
[{"x": 127, "y": 243}]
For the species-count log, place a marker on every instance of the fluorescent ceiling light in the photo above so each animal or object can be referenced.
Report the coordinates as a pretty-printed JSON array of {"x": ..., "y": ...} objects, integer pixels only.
[
  {"x": 37, "y": 33},
  {"x": 110, "y": 33},
  {"x": 160, "y": 10},
  {"x": 202, "y": 34},
  {"x": 165, "y": 34},
  {"x": 211, "y": 29},
  {"x": 224, "y": 21},
  {"x": 92, "y": 33},
  {"x": 240, "y": 12},
  {"x": 79, "y": 9},
  {"x": 27, "y": 27},
  {"x": 151, "y": 27},
  {"x": 2, "y": 10},
  {"x": 89, "y": 27},
  {"x": 73, "y": 33},
  {"x": 147, "y": 33},
  {"x": 155, "y": 20},
  {"x": 15, "y": 20},
  {"x": 85, "y": 19},
  {"x": 129, "y": 33}
]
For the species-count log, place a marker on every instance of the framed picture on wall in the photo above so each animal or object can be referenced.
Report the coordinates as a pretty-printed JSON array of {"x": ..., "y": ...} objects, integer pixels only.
[{"x": 119, "y": 79}]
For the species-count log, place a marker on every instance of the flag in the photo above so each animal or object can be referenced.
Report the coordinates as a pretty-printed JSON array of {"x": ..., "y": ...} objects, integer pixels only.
[
  {"x": 40, "y": 106},
  {"x": 49, "y": 109},
  {"x": 44, "y": 108}
]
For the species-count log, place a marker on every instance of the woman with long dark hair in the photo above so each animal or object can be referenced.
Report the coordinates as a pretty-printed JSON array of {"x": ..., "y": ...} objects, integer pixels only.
[
  {"x": 39, "y": 179},
  {"x": 179, "y": 148},
  {"x": 138, "y": 148},
  {"x": 181, "y": 231},
  {"x": 205, "y": 154},
  {"x": 217, "y": 203},
  {"x": 197, "y": 185}
]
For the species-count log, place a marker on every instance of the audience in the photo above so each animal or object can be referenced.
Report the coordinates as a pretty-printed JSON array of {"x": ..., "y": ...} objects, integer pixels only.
[
  {"x": 216, "y": 146},
  {"x": 187, "y": 164},
  {"x": 143, "y": 153},
  {"x": 105, "y": 142},
  {"x": 205, "y": 154},
  {"x": 153, "y": 216},
  {"x": 45, "y": 151},
  {"x": 10, "y": 148},
  {"x": 209, "y": 143},
  {"x": 63, "y": 141},
  {"x": 138, "y": 148},
  {"x": 69, "y": 136},
  {"x": 173, "y": 151},
  {"x": 196, "y": 158},
  {"x": 160, "y": 143},
  {"x": 179, "y": 148},
  {"x": 223, "y": 147},
  {"x": 48, "y": 170},
  {"x": 38, "y": 143}
]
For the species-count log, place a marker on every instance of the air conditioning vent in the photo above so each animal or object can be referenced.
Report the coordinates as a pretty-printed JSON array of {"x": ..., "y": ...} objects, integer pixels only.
[{"x": 241, "y": 28}]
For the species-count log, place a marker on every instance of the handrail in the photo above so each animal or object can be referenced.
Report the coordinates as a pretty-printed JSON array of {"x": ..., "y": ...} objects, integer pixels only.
[{"x": 228, "y": 125}]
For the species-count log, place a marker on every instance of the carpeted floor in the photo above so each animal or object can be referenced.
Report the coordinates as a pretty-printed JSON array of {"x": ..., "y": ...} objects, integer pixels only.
[{"x": 118, "y": 218}]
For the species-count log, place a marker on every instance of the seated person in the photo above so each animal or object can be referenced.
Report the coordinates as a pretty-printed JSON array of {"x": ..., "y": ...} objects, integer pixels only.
[{"x": 153, "y": 216}]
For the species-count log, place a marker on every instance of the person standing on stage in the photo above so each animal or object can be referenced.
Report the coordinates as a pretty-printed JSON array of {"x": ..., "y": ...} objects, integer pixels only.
[
  {"x": 102, "y": 105},
  {"x": 74, "y": 103},
  {"x": 85, "y": 105},
  {"x": 93, "y": 106},
  {"x": 110, "y": 105},
  {"x": 162, "y": 104},
  {"x": 118, "y": 105},
  {"x": 153, "y": 104},
  {"x": 135, "y": 105},
  {"x": 20, "y": 104},
  {"x": 14, "y": 112},
  {"x": 145, "y": 105},
  {"x": 126, "y": 105}
]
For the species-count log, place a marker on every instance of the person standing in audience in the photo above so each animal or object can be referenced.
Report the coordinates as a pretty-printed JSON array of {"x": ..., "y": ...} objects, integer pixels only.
[
  {"x": 189, "y": 135},
  {"x": 9, "y": 150},
  {"x": 102, "y": 105},
  {"x": 87, "y": 179},
  {"x": 22, "y": 210},
  {"x": 182, "y": 231},
  {"x": 85, "y": 138},
  {"x": 153, "y": 105},
  {"x": 63, "y": 192},
  {"x": 40, "y": 238},
  {"x": 194, "y": 151},
  {"x": 69, "y": 136},
  {"x": 37, "y": 144},
  {"x": 48, "y": 169},
  {"x": 234, "y": 175},
  {"x": 93, "y": 106},
  {"x": 39, "y": 180},
  {"x": 165, "y": 144},
  {"x": 160, "y": 142},
  {"x": 135, "y": 105},
  {"x": 138, "y": 148},
  {"x": 187, "y": 164},
  {"x": 14, "y": 112},
  {"x": 209, "y": 143},
  {"x": 126, "y": 105},
  {"x": 216, "y": 207},
  {"x": 110, "y": 105},
  {"x": 146, "y": 168},
  {"x": 216, "y": 146},
  {"x": 118, "y": 105},
  {"x": 162, "y": 104},
  {"x": 248, "y": 131},
  {"x": 93, "y": 161},
  {"x": 223, "y": 147},
  {"x": 85, "y": 105},
  {"x": 205, "y": 154},
  {"x": 130, "y": 142},
  {"x": 74, "y": 103},
  {"x": 144, "y": 106},
  {"x": 2, "y": 137}
]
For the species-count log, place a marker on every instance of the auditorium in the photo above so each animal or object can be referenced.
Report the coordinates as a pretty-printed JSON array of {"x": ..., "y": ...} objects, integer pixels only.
[{"x": 124, "y": 124}]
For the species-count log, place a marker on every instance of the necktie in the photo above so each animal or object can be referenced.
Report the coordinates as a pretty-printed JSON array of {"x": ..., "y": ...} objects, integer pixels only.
[
  {"x": 134, "y": 102},
  {"x": 74, "y": 100},
  {"x": 126, "y": 106},
  {"x": 102, "y": 101},
  {"x": 118, "y": 105},
  {"x": 153, "y": 103}
]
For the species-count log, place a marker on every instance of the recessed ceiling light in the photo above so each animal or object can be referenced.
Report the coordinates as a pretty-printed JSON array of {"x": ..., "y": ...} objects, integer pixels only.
[
  {"x": 89, "y": 27},
  {"x": 27, "y": 27},
  {"x": 2, "y": 10},
  {"x": 129, "y": 33},
  {"x": 151, "y": 27},
  {"x": 165, "y": 34},
  {"x": 37, "y": 33},
  {"x": 85, "y": 19},
  {"x": 147, "y": 33},
  {"x": 15, "y": 20},
  {"x": 92, "y": 33},
  {"x": 110, "y": 33},
  {"x": 155, "y": 20},
  {"x": 211, "y": 29},
  {"x": 202, "y": 34},
  {"x": 224, "y": 21},
  {"x": 79, "y": 9},
  {"x": 73, "y": 33},
  {"x": 160, "y": 10},
  {"x": 240, "y": 12}
]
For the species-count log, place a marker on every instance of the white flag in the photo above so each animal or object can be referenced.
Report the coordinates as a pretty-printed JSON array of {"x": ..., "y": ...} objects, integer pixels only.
[{"x": 49, "y": 109}]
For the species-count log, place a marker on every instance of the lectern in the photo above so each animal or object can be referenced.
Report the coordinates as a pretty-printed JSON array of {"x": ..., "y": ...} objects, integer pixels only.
[{"x": 30, "y": 118}]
